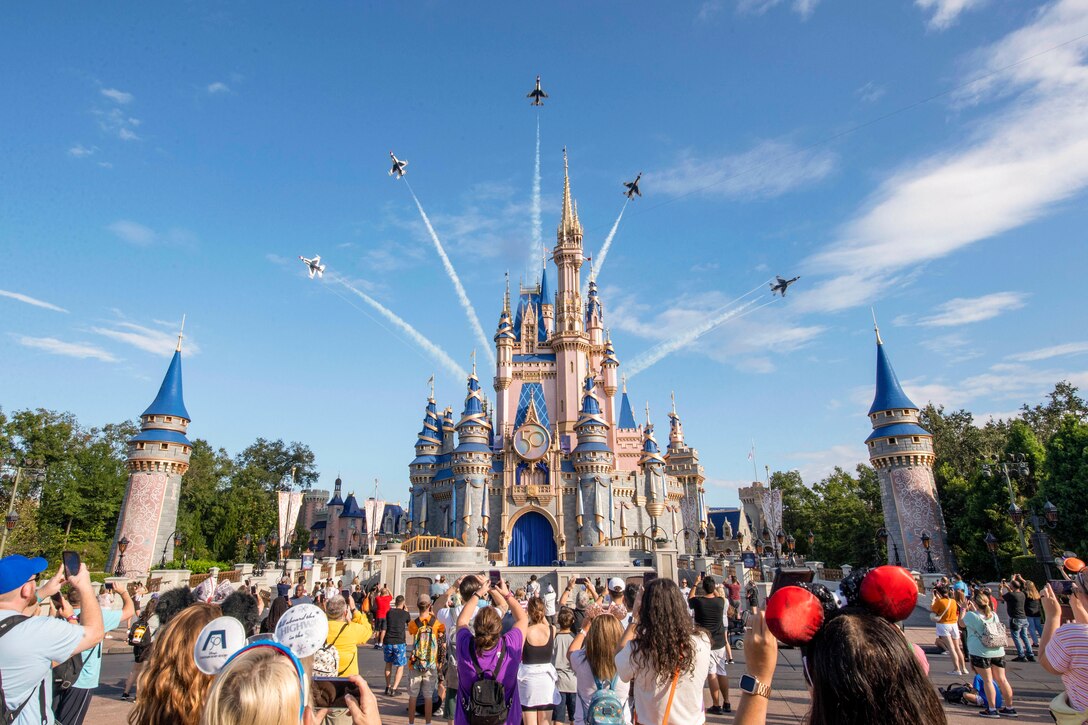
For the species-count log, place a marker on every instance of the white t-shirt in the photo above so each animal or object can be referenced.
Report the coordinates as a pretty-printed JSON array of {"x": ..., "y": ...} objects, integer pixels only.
[
  {"x": 448, "y": 617},
  {"x": 587, "y": 686},
  {"x": 652, "y": 695},
  {"x": 549, "y": 604},
  {"x": 533, "y": 589},
  {"x": 27, "y": 654}
]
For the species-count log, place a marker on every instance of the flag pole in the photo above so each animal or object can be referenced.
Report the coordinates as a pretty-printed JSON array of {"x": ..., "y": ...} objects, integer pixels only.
[{"x": 752, "y": 456}]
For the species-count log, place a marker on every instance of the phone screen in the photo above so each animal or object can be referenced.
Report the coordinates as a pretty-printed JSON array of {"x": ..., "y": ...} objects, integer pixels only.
[
  {"x": 494, "y": 576},
  {"x": 71, "y": 562},
  {"x": 330, "y": 691},
  {"x": 788, "y": 577},
  {"x": 1062, "y": 587},
  {"x": 648, "y": 577},
  {"x": 109, "y": 586}
]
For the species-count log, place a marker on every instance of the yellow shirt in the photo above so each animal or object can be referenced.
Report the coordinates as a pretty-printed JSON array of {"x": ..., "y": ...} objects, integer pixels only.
[
  {"x": 946, "y": 609},
  {"x": 349, "y": 636}
]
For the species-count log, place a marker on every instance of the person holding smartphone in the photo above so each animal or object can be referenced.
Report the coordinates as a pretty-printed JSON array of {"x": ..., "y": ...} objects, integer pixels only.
[
  {"x": 1063, "y": 648},
  {"x": 30, "y": 645}
]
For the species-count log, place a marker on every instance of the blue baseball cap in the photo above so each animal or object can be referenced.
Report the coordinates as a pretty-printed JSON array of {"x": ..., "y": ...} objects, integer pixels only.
[{"x": 16, "y": 570}]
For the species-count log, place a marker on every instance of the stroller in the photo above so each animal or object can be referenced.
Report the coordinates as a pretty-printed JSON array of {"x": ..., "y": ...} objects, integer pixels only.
[{"x": 738, "y": 626}]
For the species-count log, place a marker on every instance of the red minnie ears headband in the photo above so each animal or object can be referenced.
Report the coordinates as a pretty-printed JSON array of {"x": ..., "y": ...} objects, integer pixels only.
[{"x": 796, "y": 613}]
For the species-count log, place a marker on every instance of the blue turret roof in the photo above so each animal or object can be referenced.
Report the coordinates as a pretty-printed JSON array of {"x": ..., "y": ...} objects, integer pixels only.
[
  {"x": 159, "y": 435},
  {"x": 889, "y": 394},
  {"x": 351, "y": 509},
  {"x": 627, "y": 414},
  {"x": 594, "y": 303},
  {"x": 898, "y": 429},
  {"x": 589, "y": 400},
  {"x": 430, "y": 434},
  {"x": 336, "y": 500},
  {"x": 534, "y": 299},
  {"x": 473, "y": 406},
  {"x": 545, "y": 293},
  {"x": 169, "y": 400},
  {"x": 719, "y": 516}
]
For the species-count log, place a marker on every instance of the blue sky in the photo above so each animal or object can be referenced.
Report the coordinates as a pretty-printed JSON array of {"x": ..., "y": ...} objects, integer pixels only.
[{"x": 925, "y": 157}]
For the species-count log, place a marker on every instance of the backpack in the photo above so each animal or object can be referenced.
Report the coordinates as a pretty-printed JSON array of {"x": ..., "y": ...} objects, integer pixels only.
[
  {"x": 8, "y": 715},
  {"x": 953, "y": 694},
  {"x": 66, "y": 673},
  {"x": 425, "y": 652},
  {"x": 993, "y": 632},
  {"x": 139, "y": 634},
  {"x": 604, "y": 706},
  {"x": 486, "y": 703},
  {"x": 327, "y": 659}
]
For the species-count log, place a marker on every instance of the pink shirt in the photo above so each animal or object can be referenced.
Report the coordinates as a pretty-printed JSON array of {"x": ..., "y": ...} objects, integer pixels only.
[{"x": 1067, "y": 652}]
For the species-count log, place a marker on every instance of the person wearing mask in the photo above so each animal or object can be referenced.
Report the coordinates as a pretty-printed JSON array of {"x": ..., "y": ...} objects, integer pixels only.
[
  {"x": 664, "y": 657},
  {"x": 566, "y": 683},
  {"x": 1064, "y": 651},
  {"x": 1034, "y": 611},
  {"x": 29, "y": 644},
  {"x": 141, "y": 650},
  {"x": 537, "y": 676},
  {"x": 988, "y": 657},
  {"x": 70, "y": 706},
  {"x": 592, "y": 656},
  {"x": 426, "y": 632},
  {"x": 483, "y": 648},
  {"x": 172, "y": 689},
  {"x": 348, "y": 631},
  {"x": 382, "y": 601},
  {"x": 1015, "y": 605},
  {"x": 550, "y": 599},
  {"x": 947, "y": 617},
  {"x": 709, "y": 614},
  {"x": 395, "y": 645}
]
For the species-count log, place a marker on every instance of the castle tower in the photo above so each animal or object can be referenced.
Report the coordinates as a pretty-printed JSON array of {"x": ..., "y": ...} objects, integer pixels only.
[
  {"x": 158, "y": 456},
  {"x": 653, "y": 472},
  {"x": 504, "y": 349},
  {"x": 471, "y": 463},
  {"x": 609, "y": 363},
  {"x": 334, "y": 507},
  {"x": 901, "y": 451},
  {"x": 547, "y": 302},
  {"x": 594, "y": 319},
  {"x": 593, "y": 462},
  {"x": 570, "y": 345},
  {"x": 682, "y": 465},
  {"x": 424, "y": 466}
]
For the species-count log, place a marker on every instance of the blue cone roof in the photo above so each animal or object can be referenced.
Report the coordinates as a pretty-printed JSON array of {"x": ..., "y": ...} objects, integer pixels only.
[
  {"x": 545, "y": 293},
  {"x": 169, "y": 400},
  {"x": 627, "y": 414},
  {"x": 889, "y": 394},
  {"x": 351, "y": 509}
]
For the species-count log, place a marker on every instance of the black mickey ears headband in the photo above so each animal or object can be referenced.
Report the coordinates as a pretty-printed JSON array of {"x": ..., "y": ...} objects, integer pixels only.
[{"x": 797, "y": 612}]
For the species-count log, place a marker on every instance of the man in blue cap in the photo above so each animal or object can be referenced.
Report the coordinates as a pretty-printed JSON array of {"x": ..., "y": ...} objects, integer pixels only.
[{"x": 29, "y": 644}]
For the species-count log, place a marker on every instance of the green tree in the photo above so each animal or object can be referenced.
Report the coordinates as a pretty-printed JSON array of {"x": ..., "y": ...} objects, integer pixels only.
[
  {"x": 799, "y": 504},
  {"x": 1046, "y": 419},
  {"x": 1066, "y": 482},
  {"x": 849, "y": 517}
]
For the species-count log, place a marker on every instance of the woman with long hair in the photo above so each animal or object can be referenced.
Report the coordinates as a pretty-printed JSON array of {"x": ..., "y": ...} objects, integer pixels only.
[
  {"x": 1033, "y": 607},
  {"x": 665, "y": 657},
  {"x": 537, "y": 676},
  {"x": 592, "y": 656},
  {"x": 988, "y": 657},
  {"x": 947, "y": 613},
  {"x": 483, "y": 648},
  {"x": 172, "y": 690},
  {"x": 276, "y": 609}
]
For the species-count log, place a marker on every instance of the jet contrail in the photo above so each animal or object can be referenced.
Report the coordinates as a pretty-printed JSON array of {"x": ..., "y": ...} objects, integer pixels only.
[
  {"x": 437, "y": 353},
  {"x": 534, "y": 209},
  {"x": 470, "y": 311},
  {"x": 724, "y": 314},
  {"x": 595, "y": 268}
]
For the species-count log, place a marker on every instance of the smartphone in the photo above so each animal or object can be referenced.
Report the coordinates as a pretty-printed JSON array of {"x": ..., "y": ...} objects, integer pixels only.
[
  {"x": 583, "y": 580},
  {"x": 648, "y": 577},
  {"x": 109, "y": 586},
  {"x": 346, "y": 594},
  {"x": 71, "y": 562},
  {"x": 330, "y": 691},
  {"x": 495, "y": 577},
  {"x": 790, "y": 577},
  {"x": 1062, "y": 587}
]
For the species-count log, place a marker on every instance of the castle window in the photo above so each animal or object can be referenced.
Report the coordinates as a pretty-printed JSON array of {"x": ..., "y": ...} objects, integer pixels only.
[
  {"x": 164, "y": 447},
  {"x": 140, "y": 446},
  {"x": 169, "y": 419},
  {"x": 891, "y": 441},
  {"x": 887, "y": 414},
  {"x": 916, "y": 439}
]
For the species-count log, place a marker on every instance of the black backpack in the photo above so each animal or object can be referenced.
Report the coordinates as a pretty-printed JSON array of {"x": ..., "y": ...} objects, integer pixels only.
[
  {"x": 66, "y": 673},
  {"x": 953, "y": 694},
  {"x": 486, "y": 703},
  {"x": 7, "y": 715}
]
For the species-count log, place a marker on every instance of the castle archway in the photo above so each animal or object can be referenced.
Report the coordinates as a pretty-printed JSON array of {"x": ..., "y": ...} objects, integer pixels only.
[{"x": 532, "y": 541}]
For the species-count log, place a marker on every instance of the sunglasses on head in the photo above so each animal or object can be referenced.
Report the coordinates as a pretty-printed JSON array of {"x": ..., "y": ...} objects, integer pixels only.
[{"x": 286, "y": 651}]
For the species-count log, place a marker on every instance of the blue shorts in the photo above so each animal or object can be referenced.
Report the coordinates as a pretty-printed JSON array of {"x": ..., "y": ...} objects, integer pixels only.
[{"x": 396, "y": 654}]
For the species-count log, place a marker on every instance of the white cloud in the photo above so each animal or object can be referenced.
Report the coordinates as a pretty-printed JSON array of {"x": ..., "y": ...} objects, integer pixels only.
[
  {"x": 68, "y": 349},
  {"x": 870, "y": 92},
  {"x": 953, "y": 346},
  {"x": 1046, "y": 353},
  {"x": 709, "y": 9},
  {"x": 218, "y": 87},
  {"x": 817, "y": 465},
  {"x": 115, "y": 122},
  {"x": 767, "y": 170},
  {"x": 126, "y": 135},
  {"x": 117, "y": 96},
  {"x": 965, "y": 310},
  {"x": 804, "y": 8},
  {"x": 31, "y": 301},
  {"x": 1015, "y": 166},
  {"x": 946, "y": 12},
  {"x": 156, "y": 342},
  {"x": 144, "y": 236},
  {"x": 80, "y": 151}
]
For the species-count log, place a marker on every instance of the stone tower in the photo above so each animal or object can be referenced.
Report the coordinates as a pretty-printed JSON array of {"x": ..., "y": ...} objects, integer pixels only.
[
  {"x": 569, "y": 344},
  {"x": 592, "y": 461},
  {"x": 901, "y": 451},
  {"x": 682, "y": 463},
  {"x": 158, "y": 456},
  {"x": 424, "y": 465},
  {"x": 471, "y": 464}
]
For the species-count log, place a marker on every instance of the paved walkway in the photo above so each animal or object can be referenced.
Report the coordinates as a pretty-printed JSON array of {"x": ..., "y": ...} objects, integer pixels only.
[{"x": 1033, "y": 686}]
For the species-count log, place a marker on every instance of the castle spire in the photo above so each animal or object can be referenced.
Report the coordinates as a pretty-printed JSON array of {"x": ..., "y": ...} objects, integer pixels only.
[
  {"x": 181, "y": 334},
  {"x": 889, "y": 393},
  {"x": 569, "y": 223},
  {"x": 876, "y": 327},
  {"x": 506, "y": 297}
]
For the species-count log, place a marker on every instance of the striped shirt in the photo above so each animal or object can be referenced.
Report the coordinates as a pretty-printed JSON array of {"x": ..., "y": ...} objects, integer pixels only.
[{"x": 1067, "y": 652}]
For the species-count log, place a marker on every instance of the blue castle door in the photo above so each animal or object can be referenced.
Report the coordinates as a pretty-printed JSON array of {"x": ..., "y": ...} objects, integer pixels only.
[{"x": 532, "y": 542}]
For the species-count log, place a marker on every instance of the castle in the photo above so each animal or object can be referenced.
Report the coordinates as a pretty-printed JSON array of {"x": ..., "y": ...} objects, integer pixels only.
[{"x": 552, "y": 471}]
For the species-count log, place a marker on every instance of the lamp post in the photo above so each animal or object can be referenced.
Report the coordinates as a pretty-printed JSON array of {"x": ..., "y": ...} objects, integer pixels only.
[
  {"x": 176, "y": 538},
  {"x": 759, "y": 555},
  {"x": 246, "y": 541},
  {"x": 740, "y": 541},
  {"x": 779, "y": 538},
  {"x": 931, "y": 568},
  {"x": 119, "y": 569},
  {"x": 33, "y": 467},
  {"x": 1040, "y": 540},
  {"x": 882, "y": 537},
  {"x": 991, "y": 546},
  {"x": 258, "y": 570},
  {"x": 286, "y": 550},
  {"x": 1012, "y": 466},
  {"x": 791, "y": 543}
]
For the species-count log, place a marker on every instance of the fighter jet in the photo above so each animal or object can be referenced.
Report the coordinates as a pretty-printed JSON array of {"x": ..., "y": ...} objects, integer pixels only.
[
  {"x": 782, "y": 285},
  {"x": 537, "y": 95},
  {"x": 398, "y": 166},
  {"x": 632, "y": 187},
  {"x": 315, "y": 265}
]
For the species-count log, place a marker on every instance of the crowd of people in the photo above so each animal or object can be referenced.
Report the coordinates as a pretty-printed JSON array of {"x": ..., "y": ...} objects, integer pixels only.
[{"x": 476, "y": 650}]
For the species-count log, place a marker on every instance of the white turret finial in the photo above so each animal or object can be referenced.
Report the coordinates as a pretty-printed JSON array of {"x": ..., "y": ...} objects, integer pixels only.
[
  {"x": 181, "y": 333},
  {"x": 473, "y": 362},
  {"x": 506, "y": 299},
  {"x": 430, "y": 381},
  {"x": 647, "y": 413},
  {"x": 672, "y": 395},
  {"x": 625, "y": 383},
  {"x": 876, "y": 327}
]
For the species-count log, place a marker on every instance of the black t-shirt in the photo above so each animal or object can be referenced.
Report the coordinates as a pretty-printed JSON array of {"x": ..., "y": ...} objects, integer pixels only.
[
  {"x": 708, "y": 615},
  {"x": 396, "y": 624},
  {"x": 1014, "y": 602},
  {"x": 1033, "y": 607}
]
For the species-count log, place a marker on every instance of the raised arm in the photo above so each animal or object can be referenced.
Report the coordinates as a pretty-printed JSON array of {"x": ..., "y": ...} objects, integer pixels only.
[
  {"x": 469, "y": 607},
  {"x": 566, "y": 593},
  {"x": 128, "y": 607},
  {"x": 1053, "y": 610},
  {"x": 444, "y": 597},
  {"x": 90, "y": 614},
  {"x": 632, "y": 626},
  {"x": 579, "y": 639},
  {"x": 521, "y": 617}
]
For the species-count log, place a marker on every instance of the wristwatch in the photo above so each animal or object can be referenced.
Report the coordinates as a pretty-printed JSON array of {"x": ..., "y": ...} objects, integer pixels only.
[{"x": 752, "y": 686}]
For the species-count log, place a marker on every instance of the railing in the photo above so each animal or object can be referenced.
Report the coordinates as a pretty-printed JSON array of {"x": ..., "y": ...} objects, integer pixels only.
[
  {"x": 831, "y": 575},
  {"x": 153, "y": 585},
  {"x": 640, "y": 542},
  {"x": 233, "y": 575},
  {"x": 422, "y": 543}
]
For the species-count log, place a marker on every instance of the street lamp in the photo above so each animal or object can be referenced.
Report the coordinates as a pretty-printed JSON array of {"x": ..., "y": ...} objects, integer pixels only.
[
  {"x": 780, "y": 538},
  {"x": 32, "y": 467},
  {"x": 791, "y": 543},
  {"x": 991, "y": 546},
  {"x": 119, "y": 570},
  {"x": 1012, "y": 466},
  {"x": 11, "y": 520},
  {"x": 258, "y": 570},
  {"x": 811, "y": 543},
  {"x": 759, "y": 546},
  {"x": 286, "y": 553},
  {"x": 931, "y": 568},
  {"x": 882, "y": 538}
]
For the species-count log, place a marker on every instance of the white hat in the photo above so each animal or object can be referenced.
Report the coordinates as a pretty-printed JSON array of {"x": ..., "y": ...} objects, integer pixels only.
[{"x": 616, "y": 583}]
